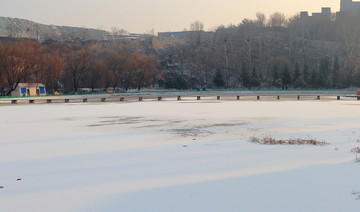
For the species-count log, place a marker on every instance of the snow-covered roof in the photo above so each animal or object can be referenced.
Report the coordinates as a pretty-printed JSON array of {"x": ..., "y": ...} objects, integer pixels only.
[{"x": 31, "y": 85}]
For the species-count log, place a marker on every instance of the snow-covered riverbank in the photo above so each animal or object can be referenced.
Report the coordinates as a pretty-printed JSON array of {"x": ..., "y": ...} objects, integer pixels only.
[{"x": 179, "y": 156}]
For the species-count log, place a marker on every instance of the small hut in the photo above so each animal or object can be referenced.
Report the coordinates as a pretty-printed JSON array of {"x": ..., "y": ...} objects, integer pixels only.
[{"x": 29, "y": 89}]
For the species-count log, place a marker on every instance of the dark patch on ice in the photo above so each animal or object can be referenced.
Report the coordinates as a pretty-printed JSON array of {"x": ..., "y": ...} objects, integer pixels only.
[
  {"x": 116, "y": 120},
  {"x": 123, "y": 120},
  {"x": 205, "y": 130},
  {"x": 192, "y": 132},
  {"x": 68, "y": 119}
]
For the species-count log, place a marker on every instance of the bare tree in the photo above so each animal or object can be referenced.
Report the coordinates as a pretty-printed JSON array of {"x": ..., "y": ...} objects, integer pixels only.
[
  {"x": 142, "y": 69},
  {"x": 77, "y": 62},
  {"x": 261, "y": 19},
  {"x": 118, "y": 31},
  {"x": 277, "y": 19},
  {"x": 197, "y": 26},
  {"x": 197, "y": 29},
  {"x": 54, "y": 70},
  {"x": 18, "y": 63},
  {"x": 115, "y": 60}
]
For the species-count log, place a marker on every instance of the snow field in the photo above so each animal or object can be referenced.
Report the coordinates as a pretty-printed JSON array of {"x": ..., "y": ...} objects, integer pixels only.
[{"x": 179, "y": 156}]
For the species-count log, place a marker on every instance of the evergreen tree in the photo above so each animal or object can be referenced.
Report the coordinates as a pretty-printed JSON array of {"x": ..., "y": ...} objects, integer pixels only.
[
  {"x": 314, "y": 80},
  {"x": 276, "y": 77},
  {"x": 299, "y": 82},
  {"x": 245, "y": 77},
  {"x": 306, "y": 74},
  {"x": 335, "y": 72},
  {"x": 286, "y": 78},
  {"x": 325, "y": 66},
  {"x": 324, "y": 80},
  {"x": 255, "y": 80},
  {"x": 218, "y": 79},
  {"x": 297, "y": 72}
]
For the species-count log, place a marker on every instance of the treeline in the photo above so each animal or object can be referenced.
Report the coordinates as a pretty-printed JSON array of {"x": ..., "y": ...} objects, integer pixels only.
[
  {"x": 69, "y": 66},
  {"x": 275, "y": 52},
  {"x": 264, "y": 53}
]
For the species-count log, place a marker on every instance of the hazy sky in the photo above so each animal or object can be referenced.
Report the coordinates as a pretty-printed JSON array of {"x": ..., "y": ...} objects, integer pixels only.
[{"x": 143, "y": 15}]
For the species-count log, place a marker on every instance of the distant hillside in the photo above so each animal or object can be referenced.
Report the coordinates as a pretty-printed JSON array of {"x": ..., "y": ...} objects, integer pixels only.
[{"x": 21, "y": 28}]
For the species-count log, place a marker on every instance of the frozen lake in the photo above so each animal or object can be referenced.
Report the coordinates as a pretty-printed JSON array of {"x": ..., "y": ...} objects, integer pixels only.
[{"x": 179, "y": 156}]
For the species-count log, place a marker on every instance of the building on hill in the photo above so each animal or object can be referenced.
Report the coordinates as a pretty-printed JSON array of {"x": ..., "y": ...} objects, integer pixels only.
[
  {"x": 325, "y": 12},
  {"x": 29, "y": 89},
  {"x": 186, "y": 35},
  {"x": 346, "y": 7},
  {"x": 349, "y": 6},
  {"x": 304, "y": 14}
]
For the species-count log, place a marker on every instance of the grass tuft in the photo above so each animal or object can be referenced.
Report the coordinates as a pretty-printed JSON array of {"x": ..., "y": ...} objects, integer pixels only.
[
  {"x": 356, "y": 149},
  {"x": 293, "y": 141}
]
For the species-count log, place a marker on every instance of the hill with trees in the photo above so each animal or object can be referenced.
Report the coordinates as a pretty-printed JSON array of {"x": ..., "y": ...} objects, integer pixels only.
[{"x": 274, "y": 52}]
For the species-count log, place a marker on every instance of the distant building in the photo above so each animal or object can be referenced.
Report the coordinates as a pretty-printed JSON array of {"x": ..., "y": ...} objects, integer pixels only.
[
  {"x": 29, "y": 89},
  {"x": 325, "y": 12},
  {"x": 346, "y": 7},
  {"x": 349, "y": 6},
  {"x": 131, "y": 36},
  {"x": 186, "y": 35},
  {"x": 179, "y": 35},
  {"x": 304, "y": 14}
]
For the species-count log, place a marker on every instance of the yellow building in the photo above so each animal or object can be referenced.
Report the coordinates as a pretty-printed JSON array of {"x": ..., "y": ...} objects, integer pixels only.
[{"x": 29, "y": 89}]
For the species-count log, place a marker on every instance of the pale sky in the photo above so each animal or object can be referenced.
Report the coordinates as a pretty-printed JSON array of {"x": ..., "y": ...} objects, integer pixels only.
[{"x": 139, "y": 16}]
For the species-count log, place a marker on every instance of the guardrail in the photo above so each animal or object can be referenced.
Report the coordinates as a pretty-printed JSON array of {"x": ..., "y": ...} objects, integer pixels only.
[{"x": 161, "y": 97}]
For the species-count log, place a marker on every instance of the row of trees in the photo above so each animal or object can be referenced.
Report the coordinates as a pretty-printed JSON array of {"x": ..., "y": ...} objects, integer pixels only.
[
  {"x": 275, "y": 52},
  {"x": 27, "y": 60},
  {"x": 71, "y": 66}
]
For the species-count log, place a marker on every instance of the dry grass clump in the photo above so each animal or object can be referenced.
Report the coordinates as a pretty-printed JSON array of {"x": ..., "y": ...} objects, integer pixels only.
[
  {"x": 356, "y": 149},
  {"x": 293, "y": 141},
  {"x": 357, "y": 194}
]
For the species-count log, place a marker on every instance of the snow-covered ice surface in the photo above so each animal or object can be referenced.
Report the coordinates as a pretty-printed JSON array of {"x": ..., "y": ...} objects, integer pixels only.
[{"x": 185, "y": 156}]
